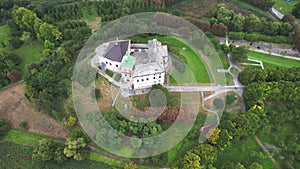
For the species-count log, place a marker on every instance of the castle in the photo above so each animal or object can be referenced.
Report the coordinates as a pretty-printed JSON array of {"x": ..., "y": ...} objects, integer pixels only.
[{"x": 140, "y": 65}]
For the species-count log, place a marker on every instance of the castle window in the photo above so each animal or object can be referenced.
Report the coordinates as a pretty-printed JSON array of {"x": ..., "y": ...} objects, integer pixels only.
[
  {"x": 142, "y": 80},
  {"x": 153, "y": 77},
  {"x": 147, "y": 78},
  {"x": 117, "y": 65},
  {"x": 138, "y": 81},
  {"x": 159, "y": 76}
]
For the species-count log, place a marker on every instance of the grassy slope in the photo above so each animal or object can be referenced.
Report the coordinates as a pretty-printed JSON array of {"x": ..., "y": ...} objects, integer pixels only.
[
  {"x": 30, "y": 53},
  {"x": 285, "y": 7},
  {"x": 273, "y": 61},
  {"x": 193, "y": 61}
]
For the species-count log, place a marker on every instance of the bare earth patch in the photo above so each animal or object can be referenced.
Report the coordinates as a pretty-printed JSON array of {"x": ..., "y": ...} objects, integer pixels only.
[{"x": 16, "y": 108}]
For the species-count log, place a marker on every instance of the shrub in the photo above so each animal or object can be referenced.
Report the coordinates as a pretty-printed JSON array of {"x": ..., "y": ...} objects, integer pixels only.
[
  {"x": 230, "y": 98},
  {"x": 23, "y": 125},
  {"x": 4, "y": 128}
]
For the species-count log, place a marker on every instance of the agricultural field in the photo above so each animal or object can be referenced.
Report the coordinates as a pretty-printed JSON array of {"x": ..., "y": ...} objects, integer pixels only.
[
  {"x": 285, "y": 7},
  {"x": 273, "y": 61}
]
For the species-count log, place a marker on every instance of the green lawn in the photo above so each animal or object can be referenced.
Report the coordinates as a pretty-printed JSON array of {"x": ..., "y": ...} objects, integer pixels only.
[
  {"x": 273, "y": 61},
  {"x": 30, "y": 53},
  {"x": 285, "y": 7},
  {"x": 4, "y": 34},
  {"x": 21, "y": 137}
]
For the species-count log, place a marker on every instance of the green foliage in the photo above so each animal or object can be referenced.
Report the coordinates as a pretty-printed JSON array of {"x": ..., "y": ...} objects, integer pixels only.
[
  {"x": 75, "y": 148},
  {"x": 46, "y": 52},
  {"x": 4, "y": 128},
  {"x": 238, "y": 54},
  {"x": 44, "y": 151},
  {"x": 8, "y": 62},
  {"x": 296, "y": 10},
  {"x": 69, "y": 121},
  {"x": 25, "y": 19},
  {"x": 48, "y": 32},
  {"x": 64, "y": 55},
  {"x": 230, "y": 98},
  {"x": 23, "y": 125},
  {"x": 191, "y": 161},
  {"x": 250, "y": 75},
  {"x": 206, "y": 152}
]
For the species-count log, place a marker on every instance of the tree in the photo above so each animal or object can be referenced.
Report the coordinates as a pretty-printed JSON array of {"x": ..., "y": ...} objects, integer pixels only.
[
  {"x": 14, "y": 76},
  {"x": 256, "y": 165},
  {"x": 69, "y": 121},
  {"x": 59, "y": 155},
  {"x": 289, "y": 18},
  {"x": 26, "y": 37},
  {"x": 191, "y": 161},
  {"x": 251, "y": 23},
  {"x": 130, "y": 166},
  {"x": 214, "y": 135},
  {"x": 239, "y": 54},
  {"x": 74, "y": 148},
  {"x": 231, "y": 165},
  {"x": 237, "y": 23},
  {"x": 44, "y": 151},
  {"x": 296, "y": 10},
  {"x": 49, "y": 32},
  {"x": 4, "y": 128},
  {"x": 207, "y": 153},
  {"x": 24, "y": 18},
  {"x": 64, "y": 55},
  {"x": 223, "y": 14},
  {"x": 219, "y": 29},
  {"x": 266, "y": 4},
  {"x": 230, "y": 98}
]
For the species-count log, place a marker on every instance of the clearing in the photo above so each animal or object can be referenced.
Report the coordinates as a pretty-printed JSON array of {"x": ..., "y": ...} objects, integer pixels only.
[
  {"x": 30, "y": 53},
  {"x": 16, "y": 108}
]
